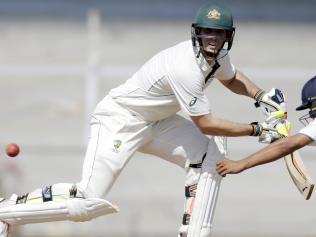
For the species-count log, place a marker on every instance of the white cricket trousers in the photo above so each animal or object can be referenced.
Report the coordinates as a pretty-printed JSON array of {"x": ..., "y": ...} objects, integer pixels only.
[{"x": 116, "y": 134}]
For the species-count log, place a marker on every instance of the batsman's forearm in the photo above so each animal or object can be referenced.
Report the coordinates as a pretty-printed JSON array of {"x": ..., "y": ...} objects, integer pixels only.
[
  {"x": 220, "y": 127},
  {"x": 243, "y": 86}
]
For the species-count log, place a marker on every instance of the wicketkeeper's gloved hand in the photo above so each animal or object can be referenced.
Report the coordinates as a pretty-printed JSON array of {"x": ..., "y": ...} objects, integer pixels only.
[{"x": 270, "y": 102}]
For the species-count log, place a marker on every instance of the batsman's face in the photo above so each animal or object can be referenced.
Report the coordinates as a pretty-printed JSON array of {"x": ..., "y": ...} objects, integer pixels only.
[{"x": 212, "y": 40}]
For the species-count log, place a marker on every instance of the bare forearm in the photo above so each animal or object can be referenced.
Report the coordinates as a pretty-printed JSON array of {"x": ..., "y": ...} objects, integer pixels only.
[
  {"x": 276, "y": 150},
  {"x": 242, "y": 85},
  {"x": 219, "y": 127},
  {"x": 269, "y": 154}
]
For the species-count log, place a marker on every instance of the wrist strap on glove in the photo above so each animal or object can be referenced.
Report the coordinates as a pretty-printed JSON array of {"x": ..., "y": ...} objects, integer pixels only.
[
  {"x": 258, "y": 96},
  {"x": 257, "y": 129}
]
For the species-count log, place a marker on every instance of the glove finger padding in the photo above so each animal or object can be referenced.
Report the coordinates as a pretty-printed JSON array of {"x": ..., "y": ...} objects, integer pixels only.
[
  {"x": 274, "y": 132},
  {"x": 270, "y": 102},
  {"x": 273, "y": 105}
]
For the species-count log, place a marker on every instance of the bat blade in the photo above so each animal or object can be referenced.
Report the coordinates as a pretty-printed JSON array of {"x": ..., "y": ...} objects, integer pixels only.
[
  {"x": 299, "y": 174},
  {"x": 293, "y": 161}
]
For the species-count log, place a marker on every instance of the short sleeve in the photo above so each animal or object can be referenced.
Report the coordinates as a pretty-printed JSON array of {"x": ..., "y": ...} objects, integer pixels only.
[
  {"x": 189, "y": 93},
  {"x": 310, "y": 130}
]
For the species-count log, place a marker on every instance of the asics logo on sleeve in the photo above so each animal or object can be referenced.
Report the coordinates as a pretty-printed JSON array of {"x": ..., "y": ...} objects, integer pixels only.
[{"x": 193, "y": 101}]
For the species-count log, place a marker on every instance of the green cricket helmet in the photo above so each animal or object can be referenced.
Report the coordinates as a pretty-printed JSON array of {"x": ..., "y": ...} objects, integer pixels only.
[{"x": 212, "y": 16}]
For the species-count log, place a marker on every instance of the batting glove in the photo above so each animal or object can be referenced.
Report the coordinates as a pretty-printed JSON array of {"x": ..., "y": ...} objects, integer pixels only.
[
  {"x": 270, "y": 102},
  {"x": 274, "y": 131}
]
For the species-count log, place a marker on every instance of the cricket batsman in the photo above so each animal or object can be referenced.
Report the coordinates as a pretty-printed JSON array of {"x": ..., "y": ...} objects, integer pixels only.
[
  {"x": 141, "y": 115},
  {"x": 306, "y": 136}
]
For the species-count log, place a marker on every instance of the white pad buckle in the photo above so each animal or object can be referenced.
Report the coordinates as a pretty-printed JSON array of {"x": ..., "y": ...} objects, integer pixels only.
[{"x": 73, "y": 209}]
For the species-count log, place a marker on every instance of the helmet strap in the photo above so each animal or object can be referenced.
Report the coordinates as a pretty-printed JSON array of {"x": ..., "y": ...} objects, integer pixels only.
[{"x": 312, "y": 111}]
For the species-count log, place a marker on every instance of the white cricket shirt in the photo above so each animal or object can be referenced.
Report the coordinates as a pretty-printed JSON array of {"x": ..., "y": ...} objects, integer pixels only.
[
  {"x": 170, "y": 81},
  {"x": 310, "y": 131}
]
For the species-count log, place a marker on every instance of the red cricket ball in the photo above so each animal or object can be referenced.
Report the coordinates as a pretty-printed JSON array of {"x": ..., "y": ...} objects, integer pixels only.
[{"x": 12, "y": 150}]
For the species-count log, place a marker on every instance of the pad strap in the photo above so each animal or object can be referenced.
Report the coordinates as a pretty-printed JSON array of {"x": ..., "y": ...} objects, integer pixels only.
[
  {"x": 190, "y": 191},
  {"x": 22, "y": 199},
  {"x": 186, "y": 219},
  {"x": 47, "y": 194},
  {"x": 198, "y": 165}
]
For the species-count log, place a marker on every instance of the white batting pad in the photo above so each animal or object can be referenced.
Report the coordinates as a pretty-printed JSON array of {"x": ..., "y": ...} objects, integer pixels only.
[
  {"x": 73, "y": 209},
  {"x": 203, "y": 211},
  {"x": 4, "y": 229}
]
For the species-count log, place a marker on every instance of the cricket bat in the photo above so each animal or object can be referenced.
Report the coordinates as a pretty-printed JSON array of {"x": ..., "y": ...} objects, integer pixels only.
[
  {"x": 299, "y": 174},
  {"x": 293, "y": 161},
  {"x": 297, "y": 170}
]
